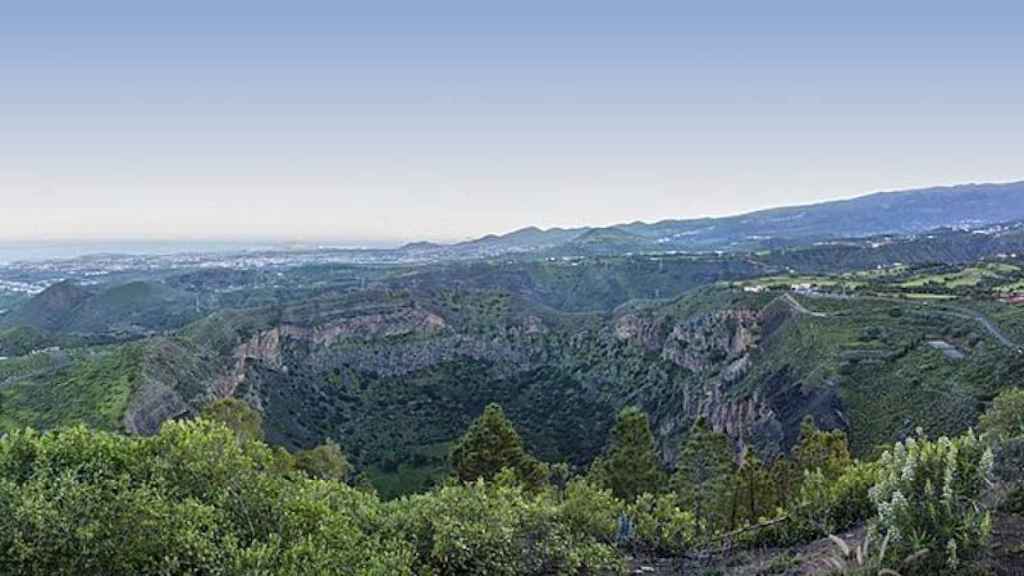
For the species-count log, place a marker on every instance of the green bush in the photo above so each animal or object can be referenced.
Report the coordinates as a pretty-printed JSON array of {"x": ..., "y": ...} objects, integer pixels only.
[
  {"x": 199, "y": 498},
  {"x": 326, "y": 462},
  {"x": 498, "y": 529},
  {"x": 1005, "y": 418},
  {"x": 237, "y": 415},
  {"x": 591, "y": 510},
  {"x": 192, "y": 500},
  {"x": 929, "y": 499},
  {"x": 660, "y": 526},
  {"x": 826, "y": 506}
]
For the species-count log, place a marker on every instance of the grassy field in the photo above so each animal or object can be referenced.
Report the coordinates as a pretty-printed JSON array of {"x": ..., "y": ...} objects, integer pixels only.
[
  {"x": 963, "y": 278},
  {"x": 1013, "y": 287},
  {"x": 849, "y": 281}
]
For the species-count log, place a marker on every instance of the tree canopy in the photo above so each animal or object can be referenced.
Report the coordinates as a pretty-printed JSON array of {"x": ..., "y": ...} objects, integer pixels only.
[
  {"x": 631, "y": 466},
  {"x": 704, "y": 476},
  {"x": 491, "y": 445}
]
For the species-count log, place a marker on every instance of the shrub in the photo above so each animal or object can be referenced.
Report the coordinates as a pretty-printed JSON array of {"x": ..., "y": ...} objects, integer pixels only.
[
  {"x": 827, "y": 451},
  {"x": 828, "y": 506},
  {"x": 660, "y": 526},
  {"x": 1005, "y": 418},
  {"x": 496, "y": 529},
  {"x": 326, "y": 462},
  {"x": 244, "y": 420},
  {"x": 929, "y": 498},
  {"x": 591, "y": 510},
  {"x": 191, "y": 500}
]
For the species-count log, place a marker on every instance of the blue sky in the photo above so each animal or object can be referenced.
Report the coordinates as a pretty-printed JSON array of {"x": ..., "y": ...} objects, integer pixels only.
[{"x": 389, "y": 121}]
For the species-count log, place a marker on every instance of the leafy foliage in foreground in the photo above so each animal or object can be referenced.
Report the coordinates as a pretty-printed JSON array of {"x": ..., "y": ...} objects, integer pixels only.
[
  {"x": 197, "y": 499},
  {"x": 192, "y": 500},
  {"x": 202, "y": 498}
]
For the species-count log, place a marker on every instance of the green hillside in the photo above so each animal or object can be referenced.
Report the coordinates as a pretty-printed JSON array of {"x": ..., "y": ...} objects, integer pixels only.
[
  {"x": 52, "y": 390},
  {"x": 135, "y": 308}
]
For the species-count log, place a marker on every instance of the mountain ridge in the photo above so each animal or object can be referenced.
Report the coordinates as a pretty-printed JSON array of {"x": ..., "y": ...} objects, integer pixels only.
[{"x": 870, "y": 214}]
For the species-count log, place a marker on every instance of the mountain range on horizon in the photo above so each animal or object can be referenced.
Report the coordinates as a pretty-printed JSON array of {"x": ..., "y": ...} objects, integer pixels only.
[{"x": 895, "y": 212}]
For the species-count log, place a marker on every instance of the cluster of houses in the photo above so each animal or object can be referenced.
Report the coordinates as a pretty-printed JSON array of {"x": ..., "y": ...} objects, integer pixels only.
[{"x": 804, "y": 288}]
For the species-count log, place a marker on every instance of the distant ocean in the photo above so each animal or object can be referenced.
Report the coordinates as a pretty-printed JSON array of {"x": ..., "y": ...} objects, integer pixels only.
[{"x": 36, "y": 251}]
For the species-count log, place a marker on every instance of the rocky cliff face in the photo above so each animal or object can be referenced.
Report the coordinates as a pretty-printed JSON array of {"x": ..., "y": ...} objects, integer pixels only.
[
  {"x": 705, "y": 342},
  {"x": 716, "y": 350}
]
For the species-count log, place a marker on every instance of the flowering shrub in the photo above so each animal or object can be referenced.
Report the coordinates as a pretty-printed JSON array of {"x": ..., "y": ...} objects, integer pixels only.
[{"x": 928, "y": 497}]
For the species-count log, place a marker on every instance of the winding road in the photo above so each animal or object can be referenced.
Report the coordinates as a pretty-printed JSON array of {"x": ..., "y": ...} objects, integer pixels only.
[
  {"x": 944, "y": 309},
  {"x": 993, "y": 329}
]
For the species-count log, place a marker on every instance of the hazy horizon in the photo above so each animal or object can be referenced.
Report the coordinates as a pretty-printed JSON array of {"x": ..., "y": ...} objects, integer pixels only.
[
  {"x": 172, "y": 245},
  {"x": 398, "y": 121}
]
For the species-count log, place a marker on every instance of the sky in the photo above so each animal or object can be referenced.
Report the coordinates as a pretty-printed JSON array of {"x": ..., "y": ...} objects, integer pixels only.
[{"x": 381, "y": 122}]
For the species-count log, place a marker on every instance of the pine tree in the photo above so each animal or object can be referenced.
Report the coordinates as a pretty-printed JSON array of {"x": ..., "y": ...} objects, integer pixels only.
[
  {"x": 704, "y": 476},
  {"x": 786, "y": 477},
  {"x": 492, "y": 444},
  {"x": 754, "y": 495},
  {"x": 630, "y": 467}
]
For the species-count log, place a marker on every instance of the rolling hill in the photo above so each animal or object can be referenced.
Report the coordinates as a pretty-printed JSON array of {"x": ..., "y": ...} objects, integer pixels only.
[{"x": 134, "y": 308}]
